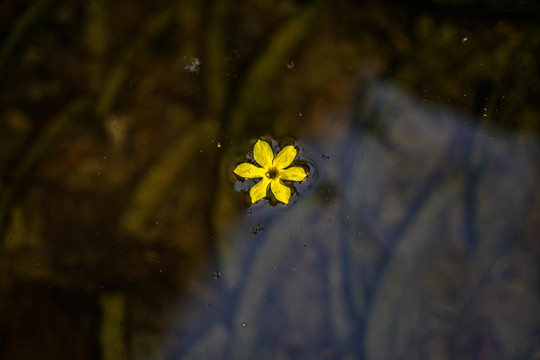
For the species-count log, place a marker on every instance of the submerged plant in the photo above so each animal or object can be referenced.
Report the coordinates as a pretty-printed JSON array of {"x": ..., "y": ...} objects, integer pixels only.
[{"x": 273, "y": 171}]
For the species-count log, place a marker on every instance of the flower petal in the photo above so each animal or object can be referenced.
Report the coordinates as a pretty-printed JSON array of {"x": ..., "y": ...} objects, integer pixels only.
[
  {"x": 293, "y": 174},
  {"x": 258, "y": 191},
  {"x": 285, "y": 157},
  {"x": 263, "y": 154},
  {"x": 281, "y": 192},
  {"x": 247, "y": 170}
]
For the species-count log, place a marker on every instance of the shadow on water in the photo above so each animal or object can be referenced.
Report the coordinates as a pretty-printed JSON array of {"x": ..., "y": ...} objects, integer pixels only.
[
  {"x": 414, "y": 241},
  {"x": 123, "y": 234}
]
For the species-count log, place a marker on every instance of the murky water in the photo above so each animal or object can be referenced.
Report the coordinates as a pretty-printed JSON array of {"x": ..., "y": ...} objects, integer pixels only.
[{"x": 126, "y": 234}]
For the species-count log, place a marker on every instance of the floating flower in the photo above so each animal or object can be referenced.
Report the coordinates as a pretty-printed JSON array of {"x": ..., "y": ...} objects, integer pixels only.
[{"x": 273, "y": 171}]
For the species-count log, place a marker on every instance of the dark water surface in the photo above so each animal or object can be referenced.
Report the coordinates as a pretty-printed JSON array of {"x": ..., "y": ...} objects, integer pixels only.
[{"x": 125, "y": 234}]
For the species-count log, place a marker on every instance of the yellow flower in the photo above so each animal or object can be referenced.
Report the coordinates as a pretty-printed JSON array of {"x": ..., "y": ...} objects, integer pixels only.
[{"x": 272, "y": 172}]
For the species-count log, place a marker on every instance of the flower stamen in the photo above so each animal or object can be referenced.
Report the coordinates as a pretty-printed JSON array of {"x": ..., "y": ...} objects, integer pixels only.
[{"x": 273, "y": 172}]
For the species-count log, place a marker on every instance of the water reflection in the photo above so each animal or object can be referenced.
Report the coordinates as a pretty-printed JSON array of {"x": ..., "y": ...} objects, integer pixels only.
[
  {"x": 415, "y": 234},
  {"x": 413, "y": 243}
]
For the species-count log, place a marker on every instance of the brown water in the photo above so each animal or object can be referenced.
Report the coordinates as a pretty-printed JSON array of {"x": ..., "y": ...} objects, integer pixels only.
[{"x": 126, "y": 235}]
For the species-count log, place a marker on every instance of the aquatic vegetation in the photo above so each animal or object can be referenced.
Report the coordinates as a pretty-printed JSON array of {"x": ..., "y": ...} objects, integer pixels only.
[{"x": 273, "y": 171}]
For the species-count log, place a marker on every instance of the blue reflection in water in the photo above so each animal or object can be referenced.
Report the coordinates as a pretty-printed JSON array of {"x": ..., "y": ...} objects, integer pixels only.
[{"x": 411, "y": 243}]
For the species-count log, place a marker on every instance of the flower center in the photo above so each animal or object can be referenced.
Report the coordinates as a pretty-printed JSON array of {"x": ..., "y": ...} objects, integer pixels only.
[{"x": 273, "y": 172}]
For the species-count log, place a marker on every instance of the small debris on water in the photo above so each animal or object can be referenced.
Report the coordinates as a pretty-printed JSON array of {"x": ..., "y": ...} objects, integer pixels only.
[
  {"x": 244, "y": 324},
  {"x": 290, "y": 64},
  {"x": 256, "y": 229},
  {"x": 194, "y": 65}
]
